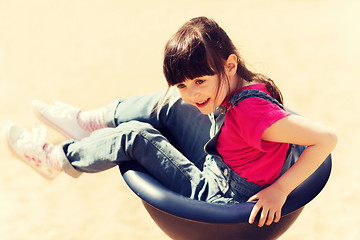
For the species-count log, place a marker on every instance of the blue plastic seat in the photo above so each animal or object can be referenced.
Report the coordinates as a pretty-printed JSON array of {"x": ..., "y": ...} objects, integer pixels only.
[{"x": 183, "y": 218}]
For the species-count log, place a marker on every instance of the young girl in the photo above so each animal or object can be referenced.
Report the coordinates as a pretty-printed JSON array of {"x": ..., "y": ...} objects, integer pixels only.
[{"x": 250, "y": 139}]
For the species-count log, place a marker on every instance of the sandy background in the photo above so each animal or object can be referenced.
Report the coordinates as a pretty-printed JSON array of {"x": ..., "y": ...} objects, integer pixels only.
[{"x": 90, "y": 52}]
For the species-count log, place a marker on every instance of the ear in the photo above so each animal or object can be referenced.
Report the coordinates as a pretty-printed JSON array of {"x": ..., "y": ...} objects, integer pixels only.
[{"x": 231, "y": 65}]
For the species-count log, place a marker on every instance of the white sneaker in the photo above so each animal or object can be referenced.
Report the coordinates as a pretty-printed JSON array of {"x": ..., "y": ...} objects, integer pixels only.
[
  {"x": 61, "y": 116},
  {"x": 32, "y": 149}
]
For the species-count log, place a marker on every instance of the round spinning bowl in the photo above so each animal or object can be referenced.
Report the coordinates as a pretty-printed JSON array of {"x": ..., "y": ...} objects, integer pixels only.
[{"x": 183, "y": 218}]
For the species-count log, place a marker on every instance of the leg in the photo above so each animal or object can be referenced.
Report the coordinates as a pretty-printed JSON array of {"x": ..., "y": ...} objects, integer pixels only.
[
  {"x": 136, "y": 141},
  {"x": 109, "y": 147},
  {"x": 184, "y": 126},
  {"x": 187, "y": 134}
]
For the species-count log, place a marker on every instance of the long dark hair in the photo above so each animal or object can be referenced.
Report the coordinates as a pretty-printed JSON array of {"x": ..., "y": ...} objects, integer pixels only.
[{"x": 201, "y": 47}]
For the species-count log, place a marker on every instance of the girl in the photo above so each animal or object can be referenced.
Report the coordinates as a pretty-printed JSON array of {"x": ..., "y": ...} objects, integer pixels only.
[{"x": 250, "y": 139}]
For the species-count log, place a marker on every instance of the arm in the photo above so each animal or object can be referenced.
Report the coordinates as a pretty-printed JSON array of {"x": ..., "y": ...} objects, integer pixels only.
[{"x": 319, "y": 140}]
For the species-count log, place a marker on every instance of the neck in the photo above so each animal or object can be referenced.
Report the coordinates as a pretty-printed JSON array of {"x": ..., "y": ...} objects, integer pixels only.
[{"x": 239, "y": 83}]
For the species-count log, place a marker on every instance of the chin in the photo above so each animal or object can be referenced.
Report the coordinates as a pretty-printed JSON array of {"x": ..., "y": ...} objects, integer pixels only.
[{"x": 206, "y": 111}]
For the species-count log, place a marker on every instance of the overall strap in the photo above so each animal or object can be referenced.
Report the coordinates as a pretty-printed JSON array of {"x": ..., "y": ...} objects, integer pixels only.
[{"x": 248, "y": 93}]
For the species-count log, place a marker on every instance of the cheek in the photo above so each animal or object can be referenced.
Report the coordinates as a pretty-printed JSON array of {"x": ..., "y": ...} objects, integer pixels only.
[
  {"x": 184, "y": 96},
  {"x": 223, "y": 93}
]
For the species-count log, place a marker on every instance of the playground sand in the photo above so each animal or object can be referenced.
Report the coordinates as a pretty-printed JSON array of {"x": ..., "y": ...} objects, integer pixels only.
[{"x": 89, "y": 53}]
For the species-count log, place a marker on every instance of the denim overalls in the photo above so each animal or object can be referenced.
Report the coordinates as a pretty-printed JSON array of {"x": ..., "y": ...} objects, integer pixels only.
[{"x": 169, "y": 143}]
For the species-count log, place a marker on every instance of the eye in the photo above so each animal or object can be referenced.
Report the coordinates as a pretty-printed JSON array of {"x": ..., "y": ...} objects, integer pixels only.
[
  {"x": 199, "y": 81},
  {"x": 181, "y": 85}
]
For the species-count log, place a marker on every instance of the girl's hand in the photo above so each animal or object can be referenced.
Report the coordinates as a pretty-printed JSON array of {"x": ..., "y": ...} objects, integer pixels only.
[{"x": 270, "y": 200}]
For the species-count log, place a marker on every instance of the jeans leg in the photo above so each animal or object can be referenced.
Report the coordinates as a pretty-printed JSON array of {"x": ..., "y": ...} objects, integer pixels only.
[
  {"x": 140, "y": 142},
  {"x": 181, "y": 123}
]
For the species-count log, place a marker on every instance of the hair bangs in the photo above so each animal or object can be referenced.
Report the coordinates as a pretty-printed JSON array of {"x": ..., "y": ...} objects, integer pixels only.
[{"x": 186, "y": 61}]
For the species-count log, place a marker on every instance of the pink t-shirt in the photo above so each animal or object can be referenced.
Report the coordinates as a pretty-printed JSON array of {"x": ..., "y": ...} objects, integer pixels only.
[{"x": 240, "y": 144}]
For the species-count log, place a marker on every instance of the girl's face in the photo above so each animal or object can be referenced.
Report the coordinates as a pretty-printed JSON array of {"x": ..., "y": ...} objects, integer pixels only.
[{"x": 202, "y": 93}]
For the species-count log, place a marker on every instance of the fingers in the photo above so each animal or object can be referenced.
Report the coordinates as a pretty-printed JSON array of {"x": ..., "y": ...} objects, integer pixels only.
[
  {"x": 270, "y": 210},
  {"x": 253, "y": 213},
  {"x": 253, "y": 198},
  {"x": 270, "y": 217},
  {"x": 277, "y": 216},
  {"x": 267, "y": 216}
]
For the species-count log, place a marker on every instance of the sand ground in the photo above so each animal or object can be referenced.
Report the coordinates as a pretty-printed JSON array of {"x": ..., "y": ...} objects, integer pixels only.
[{"x": 89, "y": 53}]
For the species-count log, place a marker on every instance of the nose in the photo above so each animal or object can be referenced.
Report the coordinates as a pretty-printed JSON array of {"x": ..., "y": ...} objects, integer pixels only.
[{"x": 193, "y": 93}]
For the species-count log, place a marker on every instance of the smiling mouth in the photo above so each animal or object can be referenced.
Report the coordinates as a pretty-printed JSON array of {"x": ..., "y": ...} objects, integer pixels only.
[{"x": 202, "y": 103}]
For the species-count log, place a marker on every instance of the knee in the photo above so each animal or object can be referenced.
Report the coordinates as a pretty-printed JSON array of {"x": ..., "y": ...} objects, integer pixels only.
[
  {"x": 138, "y": 133},
  {"x": 135, "y": 126}
]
